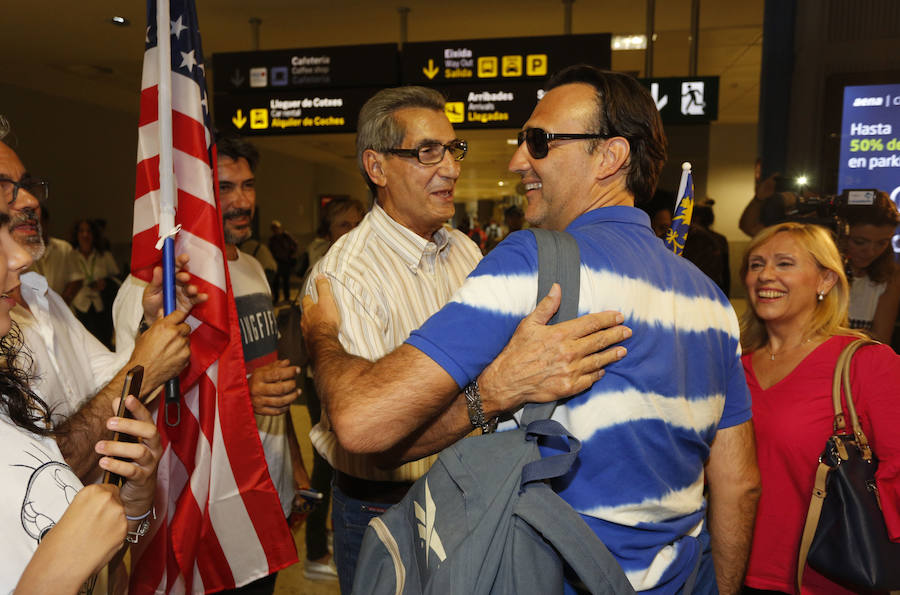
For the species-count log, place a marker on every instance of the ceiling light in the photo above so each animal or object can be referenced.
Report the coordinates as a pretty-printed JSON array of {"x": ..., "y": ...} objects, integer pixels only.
[
  {"x": 120, "y": 21},
  {"x": 512, "y": 141},
  {"x": 629, "y": 42},
  {"x": 500, "y": 183}
]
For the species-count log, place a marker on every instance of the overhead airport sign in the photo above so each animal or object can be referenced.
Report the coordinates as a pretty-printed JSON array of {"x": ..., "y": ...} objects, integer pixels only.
[
  {"x": 685, "y": 100},
  {"x": 489, "y": 83},
  {"x": 291, "y": 112},
  {"x": 281, "y": 70},
  {"x": 500, "y": 60},
  {"x": 489, "y": 105}
]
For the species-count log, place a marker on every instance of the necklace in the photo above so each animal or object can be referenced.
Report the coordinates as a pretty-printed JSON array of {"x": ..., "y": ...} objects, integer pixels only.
[{"x": 783, "y": 351}]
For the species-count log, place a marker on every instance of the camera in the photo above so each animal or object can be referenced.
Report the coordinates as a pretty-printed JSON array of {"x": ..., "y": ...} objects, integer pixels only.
[{"x": 821, "y": 210}]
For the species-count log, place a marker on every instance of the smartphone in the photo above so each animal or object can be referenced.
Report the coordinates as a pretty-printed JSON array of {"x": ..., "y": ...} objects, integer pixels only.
[
  {"x": 132, "y": 386},
  {"x": 311, "y": 495},
  {"x": 306, "y": 500}
]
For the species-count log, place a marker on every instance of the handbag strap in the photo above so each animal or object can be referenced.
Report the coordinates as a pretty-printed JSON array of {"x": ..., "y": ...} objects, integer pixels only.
[
  {"x": 842, "y": 378},
  {"x": 812, "y": 520}
]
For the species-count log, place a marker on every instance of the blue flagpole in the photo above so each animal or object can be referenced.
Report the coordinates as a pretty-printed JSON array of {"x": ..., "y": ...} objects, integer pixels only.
[
  {"x": 169, "y": 276},
  {"x": 173, "y": 391},
  {"x": 166, "y": 188}
]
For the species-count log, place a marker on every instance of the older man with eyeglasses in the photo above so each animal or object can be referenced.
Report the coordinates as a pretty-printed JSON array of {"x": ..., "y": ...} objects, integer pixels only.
[
  {"x": 71, "y": 370},
  {"x": 398, "y": 267},
  {"x": 668, "y": 419}
]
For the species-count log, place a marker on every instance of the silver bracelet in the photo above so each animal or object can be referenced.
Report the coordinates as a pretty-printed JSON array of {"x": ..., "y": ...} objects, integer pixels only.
[
  {"x": 143, "y": 516},
  {"x": 476, "y": 411},
  {"x": 143, "y": 528}
]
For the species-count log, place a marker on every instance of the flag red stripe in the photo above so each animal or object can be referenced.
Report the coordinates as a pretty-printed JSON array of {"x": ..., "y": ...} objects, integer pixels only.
[
  {"x": 211, "y": 560},
  {"x": 147, "y": 178},
  {"x": 144, "y": 255},
  {"x": 189, "y": 136},
  {"x": 186, "y": 538},
  {"x": 149, "y": 105},
  {"x": 197, "y": 366},
  {"x": 199, "y": 216}
]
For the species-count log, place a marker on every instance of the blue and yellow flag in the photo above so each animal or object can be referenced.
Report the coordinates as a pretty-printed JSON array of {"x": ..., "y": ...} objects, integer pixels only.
[{"x": 684, "y": 209}]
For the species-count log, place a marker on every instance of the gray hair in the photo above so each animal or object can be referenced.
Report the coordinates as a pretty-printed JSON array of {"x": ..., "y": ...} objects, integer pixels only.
[
  {"x": 4, "y": 126},
  {"x": 379, "y": 130}
]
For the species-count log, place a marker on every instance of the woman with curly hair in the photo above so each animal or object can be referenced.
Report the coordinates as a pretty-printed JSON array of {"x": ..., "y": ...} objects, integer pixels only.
[{"x": 57, "y": 533}]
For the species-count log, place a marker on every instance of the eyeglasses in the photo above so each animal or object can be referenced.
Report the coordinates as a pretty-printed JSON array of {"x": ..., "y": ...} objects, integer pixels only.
[
  {"x": 538, "y": 140},
  {"x": 433, "y": 153},
  {"x": 36, "y": 187}
]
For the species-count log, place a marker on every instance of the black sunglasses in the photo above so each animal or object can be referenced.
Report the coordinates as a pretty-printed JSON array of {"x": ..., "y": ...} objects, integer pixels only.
[{"x": 538, "y": 140}]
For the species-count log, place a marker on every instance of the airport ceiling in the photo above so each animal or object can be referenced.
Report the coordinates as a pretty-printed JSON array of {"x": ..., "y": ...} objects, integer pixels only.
[{"x": 72, "y": 51}]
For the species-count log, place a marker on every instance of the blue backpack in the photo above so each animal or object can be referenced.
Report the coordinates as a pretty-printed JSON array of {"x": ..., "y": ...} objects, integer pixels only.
[{"x": 484, "y": 519}]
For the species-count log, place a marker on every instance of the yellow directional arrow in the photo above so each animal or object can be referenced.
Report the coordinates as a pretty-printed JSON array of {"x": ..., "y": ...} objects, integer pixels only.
[
  {"x": 239, "y": 120},
  {"x": 432, "y": 70}
]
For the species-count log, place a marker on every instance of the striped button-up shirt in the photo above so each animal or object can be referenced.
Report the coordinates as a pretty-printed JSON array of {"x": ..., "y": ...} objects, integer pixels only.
[{"x": 387, "y": 281}]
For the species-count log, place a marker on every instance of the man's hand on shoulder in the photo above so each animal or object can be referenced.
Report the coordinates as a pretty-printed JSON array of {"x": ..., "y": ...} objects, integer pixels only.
[
  {"x": 320, "y": 318},
  {"x": 273, "y": 387},
  {"x": 544, "y": 363}
]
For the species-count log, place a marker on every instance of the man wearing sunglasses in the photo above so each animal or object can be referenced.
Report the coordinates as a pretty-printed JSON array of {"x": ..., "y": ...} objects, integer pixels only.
[
  {"x": 388, "y": 275},
  {"x": 664, "y": 421},
  {"x": 677, "y": 408}
]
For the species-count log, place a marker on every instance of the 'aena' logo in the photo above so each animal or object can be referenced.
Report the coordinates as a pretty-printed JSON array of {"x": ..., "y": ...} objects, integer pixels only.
[{"x": 868, "y": 101}]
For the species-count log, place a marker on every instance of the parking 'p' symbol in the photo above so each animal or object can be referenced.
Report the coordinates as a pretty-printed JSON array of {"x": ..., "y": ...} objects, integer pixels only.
[{"x": 536, "y": 65}]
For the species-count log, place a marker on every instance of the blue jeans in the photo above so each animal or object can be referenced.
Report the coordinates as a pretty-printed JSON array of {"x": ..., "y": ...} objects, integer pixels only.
[{"x": 349, "y": 519}]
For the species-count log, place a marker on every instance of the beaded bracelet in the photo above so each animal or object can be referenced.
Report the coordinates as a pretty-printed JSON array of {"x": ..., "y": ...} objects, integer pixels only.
[{"x": 140, "y": 518}]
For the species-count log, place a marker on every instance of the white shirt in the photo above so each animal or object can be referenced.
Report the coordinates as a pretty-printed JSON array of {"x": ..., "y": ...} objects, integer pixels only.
[
  {"x": 69, "y": 366},
  {"x": 52, "y": 264},
  {"x": 387, "y": 281},
  {"x": 864, "y": 296},
  {"x": 38, "y": 487},
  {"x": 127, "y": 312},
  {"x": 259, "y": 335}
]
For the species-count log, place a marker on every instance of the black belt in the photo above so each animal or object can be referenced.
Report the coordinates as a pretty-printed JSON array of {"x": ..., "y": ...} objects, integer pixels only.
[{"x": 387, "y": 492}]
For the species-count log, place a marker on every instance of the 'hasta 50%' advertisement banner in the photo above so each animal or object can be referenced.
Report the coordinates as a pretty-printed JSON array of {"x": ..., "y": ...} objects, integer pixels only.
[{"x": 870, "y": 139}]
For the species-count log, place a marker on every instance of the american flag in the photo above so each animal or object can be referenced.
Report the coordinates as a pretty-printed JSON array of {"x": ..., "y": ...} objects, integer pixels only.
[
  {"x": 220, "y": 521},
  {"x": 684, "y": 210}
]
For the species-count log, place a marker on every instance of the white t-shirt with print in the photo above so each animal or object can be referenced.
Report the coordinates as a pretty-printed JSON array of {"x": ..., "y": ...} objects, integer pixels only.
[{"x": 38, "y": 487}]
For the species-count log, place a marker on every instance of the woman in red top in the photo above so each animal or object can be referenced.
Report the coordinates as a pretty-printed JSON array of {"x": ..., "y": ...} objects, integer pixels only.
[{"x": 791, "y": 337}]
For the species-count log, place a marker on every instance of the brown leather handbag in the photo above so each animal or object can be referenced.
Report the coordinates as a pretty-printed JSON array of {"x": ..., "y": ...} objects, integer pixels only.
[{"x": 845, "y": 537}]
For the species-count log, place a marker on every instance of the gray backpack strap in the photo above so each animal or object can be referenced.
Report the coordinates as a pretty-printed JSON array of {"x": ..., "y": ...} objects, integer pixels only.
[
  {"x": 576, "y": 543},
  {"x": 559, "y": 261}
]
